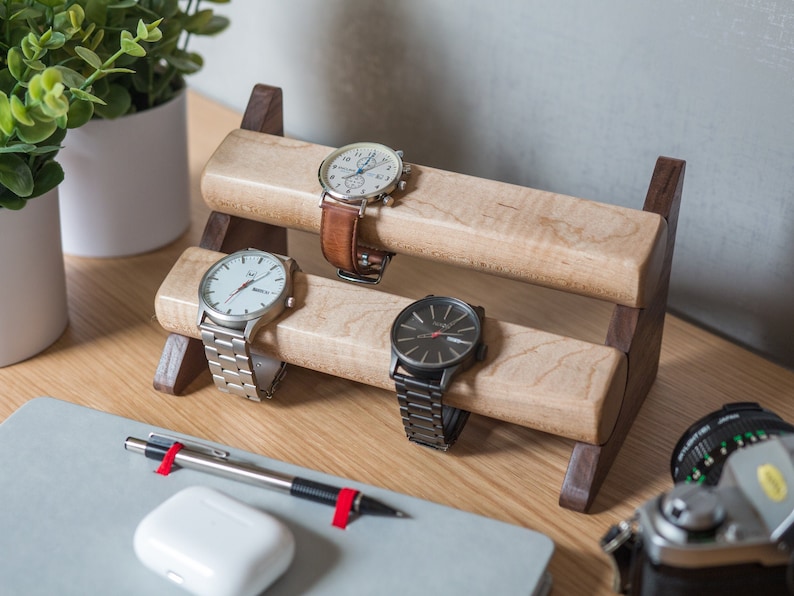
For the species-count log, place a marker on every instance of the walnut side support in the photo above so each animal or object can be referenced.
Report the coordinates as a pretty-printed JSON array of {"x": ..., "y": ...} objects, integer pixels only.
[
  {"x": 637, "y": 332},
  {"x": 183, "y": 358}
]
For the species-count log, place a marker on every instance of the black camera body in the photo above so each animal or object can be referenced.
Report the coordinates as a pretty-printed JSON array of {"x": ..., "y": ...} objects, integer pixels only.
[
  {"x": 732, "y": 538},
  {"x": 710, "y": 581}
]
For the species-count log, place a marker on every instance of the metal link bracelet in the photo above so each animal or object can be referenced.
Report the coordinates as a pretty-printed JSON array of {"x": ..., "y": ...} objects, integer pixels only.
[
  {"x": 234, "y": 369},
  {"x": 426, "y": 419}
]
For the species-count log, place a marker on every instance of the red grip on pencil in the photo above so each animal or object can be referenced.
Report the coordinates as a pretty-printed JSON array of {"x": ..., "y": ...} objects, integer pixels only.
[
  {"x": 344, "y": 504},
  {"x": 168, "y": 459}
]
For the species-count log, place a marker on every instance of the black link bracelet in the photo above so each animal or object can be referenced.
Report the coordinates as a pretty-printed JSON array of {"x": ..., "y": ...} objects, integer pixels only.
[{"x": 426, "y": 419}]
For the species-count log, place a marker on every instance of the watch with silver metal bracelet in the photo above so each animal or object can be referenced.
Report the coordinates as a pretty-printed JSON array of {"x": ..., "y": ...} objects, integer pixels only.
[
  {"x": 237, "y": 296},
  {"x": 432, "y": 340}
]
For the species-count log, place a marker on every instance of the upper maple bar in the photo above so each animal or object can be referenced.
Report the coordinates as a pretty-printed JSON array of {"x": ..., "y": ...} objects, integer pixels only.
[{"x": 575, "y": 245}]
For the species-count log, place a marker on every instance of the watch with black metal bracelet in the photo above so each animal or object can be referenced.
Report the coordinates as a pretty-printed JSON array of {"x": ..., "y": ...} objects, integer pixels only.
[{"x": 432, "y": 340}]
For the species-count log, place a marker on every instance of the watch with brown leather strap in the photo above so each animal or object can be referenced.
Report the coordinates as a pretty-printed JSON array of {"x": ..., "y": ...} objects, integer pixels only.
[{"x": 352, "y": 177}]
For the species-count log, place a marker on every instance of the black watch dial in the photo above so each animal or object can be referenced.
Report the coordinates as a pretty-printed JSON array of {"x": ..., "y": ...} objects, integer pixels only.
[{"x": 435, "y": 332}]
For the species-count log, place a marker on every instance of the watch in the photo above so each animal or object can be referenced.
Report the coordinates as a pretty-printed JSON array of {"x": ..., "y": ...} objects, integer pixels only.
[
  {"x": 237, "y": 295},
  {"x": 352, "y": 177},
  {"x": 432, "y": 340}
]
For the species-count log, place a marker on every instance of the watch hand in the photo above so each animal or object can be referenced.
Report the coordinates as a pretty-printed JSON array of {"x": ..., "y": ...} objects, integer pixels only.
[
  {"x": 365, "y": 168},
  {"x": 375, "y": 165},
  {"x": 361, "y": 168},
  {"x": 443, "y": 328},
  {"x": 237, "y": 291},
  {"x": 435, "y": 334},
  {"x": 245, "y": 285}
]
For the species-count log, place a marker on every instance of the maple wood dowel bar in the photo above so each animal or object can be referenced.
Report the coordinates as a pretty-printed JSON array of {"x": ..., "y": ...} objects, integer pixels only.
[
  {"x": 536, "y": 379},
  {"x": 580, "y": 246}
]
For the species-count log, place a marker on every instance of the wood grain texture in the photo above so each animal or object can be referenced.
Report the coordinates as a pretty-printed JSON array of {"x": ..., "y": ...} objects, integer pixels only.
[
  {"x": 589, "y": 248},
  {"x": 557, "y": 384}
]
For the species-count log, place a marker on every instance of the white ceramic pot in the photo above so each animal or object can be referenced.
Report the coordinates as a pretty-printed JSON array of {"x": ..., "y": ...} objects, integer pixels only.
[
  {"x": 33, "y": 309},
  {"x": 126, "y": 189}
]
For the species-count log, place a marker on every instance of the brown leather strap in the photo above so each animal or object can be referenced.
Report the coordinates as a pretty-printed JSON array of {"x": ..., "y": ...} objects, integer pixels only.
[{"x": 339, "y": 241}]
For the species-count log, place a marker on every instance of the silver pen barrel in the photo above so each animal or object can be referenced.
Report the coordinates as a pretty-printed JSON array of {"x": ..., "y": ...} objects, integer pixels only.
[{"x": 185, "y": 458}]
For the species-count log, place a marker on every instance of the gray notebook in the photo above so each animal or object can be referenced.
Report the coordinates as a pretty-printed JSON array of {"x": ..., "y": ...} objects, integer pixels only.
[{"x": 71, "y": 497}]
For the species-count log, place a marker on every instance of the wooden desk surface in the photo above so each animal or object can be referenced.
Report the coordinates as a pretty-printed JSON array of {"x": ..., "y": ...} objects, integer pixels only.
[{"x": 107, "y": 357}]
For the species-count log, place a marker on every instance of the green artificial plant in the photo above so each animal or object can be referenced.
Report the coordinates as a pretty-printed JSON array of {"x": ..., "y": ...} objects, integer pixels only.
[
  {"x": 63, "y": 62},
  {"x": 48, "y": 73},
  {"x": 159, "y": 74}
]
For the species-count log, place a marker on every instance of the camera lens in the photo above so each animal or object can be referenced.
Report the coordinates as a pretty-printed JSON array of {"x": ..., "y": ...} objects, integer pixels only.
[{"x": 702, "y": 450}]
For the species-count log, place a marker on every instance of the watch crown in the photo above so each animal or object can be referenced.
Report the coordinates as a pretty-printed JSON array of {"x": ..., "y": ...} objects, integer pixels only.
[
  {"x": 402, "y": 184},
  {"x": 407, "y": 169},
  {"x": 290, "y": 302},
  {"x": 388, "y": 200}
]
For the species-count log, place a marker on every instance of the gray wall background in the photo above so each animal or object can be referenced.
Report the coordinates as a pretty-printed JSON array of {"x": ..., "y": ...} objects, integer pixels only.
[{"x": 568, "y": 96}]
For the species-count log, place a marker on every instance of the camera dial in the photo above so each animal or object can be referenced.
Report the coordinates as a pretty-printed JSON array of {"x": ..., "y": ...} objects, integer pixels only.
[
  {"x": 700, "y": 453},
  {"x": 693, "y": 509}
]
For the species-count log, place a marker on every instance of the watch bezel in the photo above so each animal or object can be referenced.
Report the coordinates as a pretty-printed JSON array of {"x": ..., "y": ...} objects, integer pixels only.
[
  {"x": 358, "y": 199},
  {"x": 239, "y": 321},
  {"x": 411, "y": 364}
]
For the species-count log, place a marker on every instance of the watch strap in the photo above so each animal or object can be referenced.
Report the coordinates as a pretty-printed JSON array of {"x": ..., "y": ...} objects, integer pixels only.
[
  {"x": 234, "y": 369},
  {"x": 340, "y": 246},
  {"x": 427, "y": 420}
]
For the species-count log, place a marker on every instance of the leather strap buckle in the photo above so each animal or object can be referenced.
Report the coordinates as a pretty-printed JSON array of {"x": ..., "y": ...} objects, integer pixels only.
[{"x": 371, "y": 279}]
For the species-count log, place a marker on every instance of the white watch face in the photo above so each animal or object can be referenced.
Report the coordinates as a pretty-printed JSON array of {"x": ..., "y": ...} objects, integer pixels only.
[
  {"x": 360, "y": 171},
  {"x": 243, "y": 285}
]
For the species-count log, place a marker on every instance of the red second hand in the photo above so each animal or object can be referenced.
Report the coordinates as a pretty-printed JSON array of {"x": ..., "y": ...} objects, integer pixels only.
[{"x": 237, "y": 290}]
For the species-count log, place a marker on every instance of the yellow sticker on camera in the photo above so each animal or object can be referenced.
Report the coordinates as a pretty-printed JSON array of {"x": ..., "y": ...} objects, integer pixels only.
[{"x": 772, "y": 482}]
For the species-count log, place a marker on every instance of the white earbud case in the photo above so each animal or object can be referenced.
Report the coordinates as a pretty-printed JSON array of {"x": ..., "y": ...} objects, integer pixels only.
[{"x": 213, "y": 545}]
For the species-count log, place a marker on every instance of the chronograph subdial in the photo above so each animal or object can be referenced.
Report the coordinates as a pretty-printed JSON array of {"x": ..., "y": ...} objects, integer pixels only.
[{"x": 355, "y": 181}]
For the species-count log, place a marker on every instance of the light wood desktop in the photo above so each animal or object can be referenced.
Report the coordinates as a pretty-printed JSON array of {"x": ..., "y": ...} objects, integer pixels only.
[{"x": 107, "y": 358}]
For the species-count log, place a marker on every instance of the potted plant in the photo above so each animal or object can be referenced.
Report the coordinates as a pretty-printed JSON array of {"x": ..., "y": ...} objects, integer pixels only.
[
  {"x": 42, "y": 94},
  {"x": 108, "y": 215}
]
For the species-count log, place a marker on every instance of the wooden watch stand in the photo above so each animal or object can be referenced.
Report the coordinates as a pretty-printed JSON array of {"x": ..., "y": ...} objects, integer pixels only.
[{"x": 635, "y": 328}]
